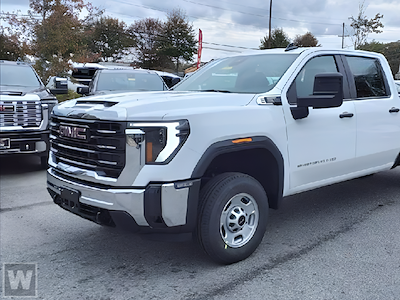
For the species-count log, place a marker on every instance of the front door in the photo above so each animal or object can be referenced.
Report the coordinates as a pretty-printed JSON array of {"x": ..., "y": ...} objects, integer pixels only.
[{"x": 321, "y": 146}]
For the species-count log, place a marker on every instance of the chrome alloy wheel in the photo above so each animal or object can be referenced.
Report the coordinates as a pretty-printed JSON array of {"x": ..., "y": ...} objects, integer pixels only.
[{"x": 239, "y": 220}]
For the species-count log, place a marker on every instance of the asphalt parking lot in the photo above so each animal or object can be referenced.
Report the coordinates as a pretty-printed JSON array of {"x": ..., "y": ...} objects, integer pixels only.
[{"x": 337, "y": 242}]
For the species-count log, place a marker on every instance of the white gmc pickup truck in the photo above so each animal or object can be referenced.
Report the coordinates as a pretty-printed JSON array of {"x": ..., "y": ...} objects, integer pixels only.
[{"x": 210, "y": 157}]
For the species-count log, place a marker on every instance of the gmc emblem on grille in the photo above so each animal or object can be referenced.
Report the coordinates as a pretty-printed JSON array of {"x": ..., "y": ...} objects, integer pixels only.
[
  {"x": 6, "y": 108},
  {"x": 73, "y": 132}
]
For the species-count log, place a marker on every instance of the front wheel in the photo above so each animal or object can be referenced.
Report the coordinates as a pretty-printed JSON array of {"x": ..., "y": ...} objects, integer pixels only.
[{"x": 233, "y": 217}]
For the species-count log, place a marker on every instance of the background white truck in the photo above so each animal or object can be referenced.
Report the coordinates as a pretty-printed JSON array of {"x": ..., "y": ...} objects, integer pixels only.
[
  {"x": 212, "y": 156},
  {"x": 25, "y": 107}
]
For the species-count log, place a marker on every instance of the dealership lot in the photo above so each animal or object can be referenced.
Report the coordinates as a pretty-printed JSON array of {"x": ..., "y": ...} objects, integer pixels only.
[{"x": 337, "y": 242}]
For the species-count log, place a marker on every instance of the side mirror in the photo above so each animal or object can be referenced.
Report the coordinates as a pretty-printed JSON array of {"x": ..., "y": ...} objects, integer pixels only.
[
  {"x": 327, "y": 92},
  {"x": 61, "y": 86},
  {"x": 83, "y": 90}
]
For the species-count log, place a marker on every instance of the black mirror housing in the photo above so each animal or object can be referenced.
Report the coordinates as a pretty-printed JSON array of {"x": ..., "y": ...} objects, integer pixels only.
[
  {"x": 83, "y": 90},
  {"x": 327, "y": 92},
  {"x": 61, "y": 86}
]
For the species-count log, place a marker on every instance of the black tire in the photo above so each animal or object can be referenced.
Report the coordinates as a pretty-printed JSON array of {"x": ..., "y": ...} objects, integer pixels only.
[{"x": 233, "y": 217}]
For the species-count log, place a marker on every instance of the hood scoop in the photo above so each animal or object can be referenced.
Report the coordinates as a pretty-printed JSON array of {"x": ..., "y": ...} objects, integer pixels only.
[
  {"x": 91, "y": 103},
  {"x": 11, "y": 93},
  {"x": 83, "y": 109}
]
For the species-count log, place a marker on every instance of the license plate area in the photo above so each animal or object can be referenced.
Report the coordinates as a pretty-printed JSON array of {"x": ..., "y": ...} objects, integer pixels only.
[
  {"x": 70, "y": 198},
  {"x": 5, "y": 143}
]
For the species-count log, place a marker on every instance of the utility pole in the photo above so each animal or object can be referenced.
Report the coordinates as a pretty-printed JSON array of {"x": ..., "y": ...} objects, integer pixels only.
[
  {"x": 343, "y": 36},
  {"x": 270, "y": 15}
]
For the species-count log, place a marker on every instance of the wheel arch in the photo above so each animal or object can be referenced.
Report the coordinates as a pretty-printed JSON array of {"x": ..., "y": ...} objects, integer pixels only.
[{"x": 257, "y": 156}]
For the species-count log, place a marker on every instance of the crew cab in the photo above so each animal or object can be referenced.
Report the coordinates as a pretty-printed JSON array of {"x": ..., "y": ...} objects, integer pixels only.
[{"x": 210, "y": 157}]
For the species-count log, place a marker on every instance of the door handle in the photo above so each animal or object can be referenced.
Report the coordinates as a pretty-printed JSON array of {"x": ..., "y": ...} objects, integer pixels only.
[
  {"x": 394, "y": 110},
  {"x": 346, "y": 115}
]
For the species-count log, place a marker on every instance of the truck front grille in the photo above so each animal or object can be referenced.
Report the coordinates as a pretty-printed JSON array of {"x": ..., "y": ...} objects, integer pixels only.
[
  {"x": 20, "y": 113},
  {"x": 97, "y": 146}
]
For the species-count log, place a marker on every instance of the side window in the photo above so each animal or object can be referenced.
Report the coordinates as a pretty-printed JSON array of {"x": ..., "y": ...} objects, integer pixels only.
[
  {"x": 303, "y": 85},
  {"x": 368, "y": 76}
]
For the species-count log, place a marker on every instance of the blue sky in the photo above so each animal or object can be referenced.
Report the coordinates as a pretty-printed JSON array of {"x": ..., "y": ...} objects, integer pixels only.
[{"x": 232, "y": 25}]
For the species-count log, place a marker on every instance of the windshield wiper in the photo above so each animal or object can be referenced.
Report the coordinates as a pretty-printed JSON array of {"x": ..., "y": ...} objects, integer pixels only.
[{"x": 217, "y": 91}]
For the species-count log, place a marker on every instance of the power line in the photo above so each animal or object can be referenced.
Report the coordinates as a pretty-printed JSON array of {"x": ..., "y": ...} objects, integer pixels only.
[
  {"x": 217, "y": 7},
  {"x": 202, "y": 18},
  {"x": 224, "y": 45},
  {"x": 262, "y": 16}
]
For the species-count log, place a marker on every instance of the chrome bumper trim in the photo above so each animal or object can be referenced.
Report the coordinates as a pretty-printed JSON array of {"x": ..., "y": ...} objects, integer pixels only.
[{"x": 128, "y": 200}]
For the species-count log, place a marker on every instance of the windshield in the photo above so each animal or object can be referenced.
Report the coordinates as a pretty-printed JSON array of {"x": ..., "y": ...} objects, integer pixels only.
[
  {"x": 241, "y": 74},
  {"x": 115, "y": 81},
  {"x": 14, "y": 75}
]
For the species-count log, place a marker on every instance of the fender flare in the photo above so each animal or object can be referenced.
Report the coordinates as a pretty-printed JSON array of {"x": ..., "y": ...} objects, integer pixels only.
[{"x": 228, "y": 146}]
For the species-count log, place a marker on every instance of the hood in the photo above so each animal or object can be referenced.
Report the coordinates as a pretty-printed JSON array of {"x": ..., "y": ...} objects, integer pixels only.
[
  {"x": 149, "y": 105},
  {"x": 23, "y": 90}
]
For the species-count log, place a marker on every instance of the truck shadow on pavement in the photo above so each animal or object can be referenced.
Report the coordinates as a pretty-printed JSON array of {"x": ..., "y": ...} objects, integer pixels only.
[{"x": 19, "y": 164}]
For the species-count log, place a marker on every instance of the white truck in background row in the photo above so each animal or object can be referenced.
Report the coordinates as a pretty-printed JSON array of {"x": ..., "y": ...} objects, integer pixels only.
[
  {"x": 25, "y": 107},
  {"x": 212, "y": 156}
]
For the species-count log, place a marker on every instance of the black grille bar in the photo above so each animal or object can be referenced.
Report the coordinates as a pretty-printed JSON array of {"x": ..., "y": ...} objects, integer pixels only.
[{"x": 101, "y": 150}]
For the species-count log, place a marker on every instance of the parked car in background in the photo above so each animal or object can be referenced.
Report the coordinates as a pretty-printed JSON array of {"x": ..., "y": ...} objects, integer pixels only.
[
  {"x": 71, "y": 83},
  {"x": 83, "y": 72},
  {"x": 25, "y": 107},
  {"x": 106, "y": 81},
  {"x": 169, "y": 78}
]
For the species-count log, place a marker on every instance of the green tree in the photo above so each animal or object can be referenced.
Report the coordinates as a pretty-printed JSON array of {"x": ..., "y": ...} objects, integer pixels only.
[
  {"x": 306, "y": 40},
  {"x": 109, "y": 38},
  {"x": 10, "y": 48},
  {"x": 177, "y": 40},
  {"x": 147, "y": 33},
  {"x": 391, "y": 51},
  {"x": 363, "y": 27},
  {"x": 279, "y": 39},
  {"x": 53, "y": 31}
]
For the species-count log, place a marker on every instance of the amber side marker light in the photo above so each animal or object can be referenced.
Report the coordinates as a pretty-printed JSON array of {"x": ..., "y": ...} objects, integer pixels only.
[
  {"x": 149, "y": 152},
  {"x": 245, "y": 140}
]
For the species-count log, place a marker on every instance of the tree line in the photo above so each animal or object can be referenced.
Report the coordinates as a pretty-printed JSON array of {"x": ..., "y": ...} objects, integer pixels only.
[{"x": 54, "y": 32}]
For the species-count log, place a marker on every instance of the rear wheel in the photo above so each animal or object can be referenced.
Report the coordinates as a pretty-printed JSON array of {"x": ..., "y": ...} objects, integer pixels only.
[{"x": 233, "y": 217}]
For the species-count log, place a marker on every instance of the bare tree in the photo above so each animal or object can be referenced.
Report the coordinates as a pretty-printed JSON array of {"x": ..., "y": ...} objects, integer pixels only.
[{"x": 363, "y": 27}]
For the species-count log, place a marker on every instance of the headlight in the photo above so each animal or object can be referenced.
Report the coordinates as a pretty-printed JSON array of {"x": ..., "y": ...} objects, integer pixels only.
[{"x": 159, "y": 142}]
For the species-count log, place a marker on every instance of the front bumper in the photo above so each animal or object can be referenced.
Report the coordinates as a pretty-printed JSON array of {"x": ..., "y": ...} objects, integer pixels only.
[
  {"x": 24, "y": 142},
  {"x": 161, "y": 207},
  {"x": 16, "y": 139}
]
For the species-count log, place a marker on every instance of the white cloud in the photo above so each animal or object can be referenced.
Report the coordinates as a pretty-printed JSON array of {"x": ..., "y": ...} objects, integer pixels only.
[{"x": 243, "y": 24}]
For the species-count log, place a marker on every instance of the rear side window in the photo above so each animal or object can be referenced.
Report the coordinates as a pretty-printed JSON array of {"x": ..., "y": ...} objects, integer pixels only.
[{"x": 368, "y": 76}]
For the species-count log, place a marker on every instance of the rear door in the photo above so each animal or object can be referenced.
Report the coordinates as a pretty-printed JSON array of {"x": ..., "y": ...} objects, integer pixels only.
[{"x": 378, "y": 114}]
